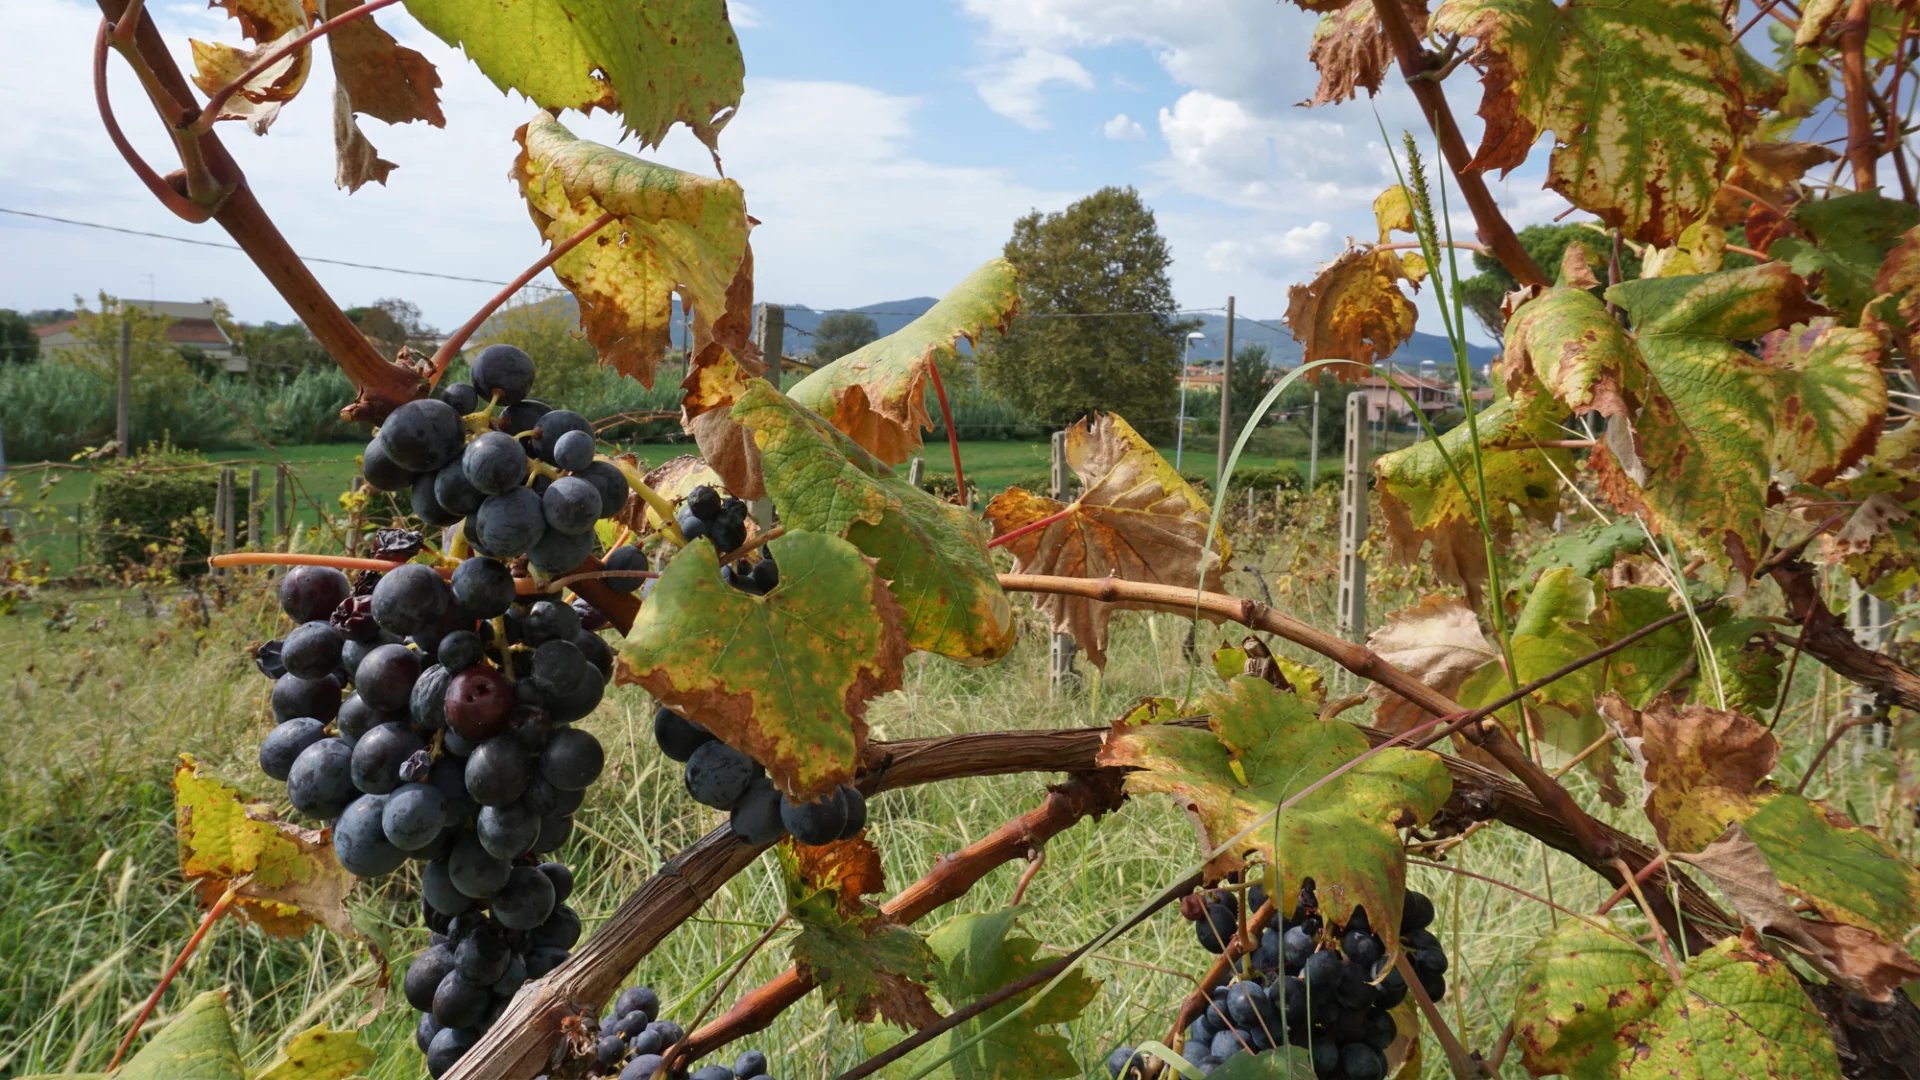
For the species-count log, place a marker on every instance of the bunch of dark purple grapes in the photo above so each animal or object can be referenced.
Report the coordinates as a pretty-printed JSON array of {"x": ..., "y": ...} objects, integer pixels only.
[
  {"x": 634, "y": 1041},
  {"x": 1326, "y": 987},
  {"x": 514, "y": 476}
]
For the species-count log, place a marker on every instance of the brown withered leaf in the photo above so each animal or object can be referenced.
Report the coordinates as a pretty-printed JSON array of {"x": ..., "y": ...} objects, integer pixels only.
[
  {"x": 268, "y": 24},
  {"x": 383, "y": 78},
  {"x": 1352, "y": 310},
  {"x": 1770, "y": 172},
  {"x": 1135, "y": 519},
  {"x": 714, "y": 382},
  {"x": 1439, "y": 642},
  {"x": 1855, "y": 956},
  {"x": 355, "y": 161},
  {"x": 846, "y": 869},
  {"x": 1895, "y": 312},
  {"x": 1351, "y": 52}
]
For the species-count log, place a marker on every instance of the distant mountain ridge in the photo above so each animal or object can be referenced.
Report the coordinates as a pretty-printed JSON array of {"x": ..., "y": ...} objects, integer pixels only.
[{"x": 891, "y": 315}]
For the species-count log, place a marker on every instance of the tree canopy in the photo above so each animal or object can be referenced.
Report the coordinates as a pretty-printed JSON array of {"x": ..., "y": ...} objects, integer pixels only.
[
  {"x": 18, "y": 343},
  {"x": 1097, "y": 330},
  {"x": 842, "y": 332}
]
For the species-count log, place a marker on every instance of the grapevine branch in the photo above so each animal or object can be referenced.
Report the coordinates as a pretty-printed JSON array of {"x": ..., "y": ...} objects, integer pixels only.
[
  {"x": 1863, "y": 145},
  {"x": 1086, "y": 793},
  {"x": 1495, "y": 232},
  {"x": 1827, "y": 639},
  {"x": 382, "y": 385}
]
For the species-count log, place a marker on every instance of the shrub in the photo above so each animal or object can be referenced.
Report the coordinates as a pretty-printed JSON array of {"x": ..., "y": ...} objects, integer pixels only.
[
  {"x": 163, "y": 496},
  {"x": 1266, "y": 478}
]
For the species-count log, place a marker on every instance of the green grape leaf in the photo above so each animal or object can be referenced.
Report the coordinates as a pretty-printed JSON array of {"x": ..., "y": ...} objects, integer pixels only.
[
  {"x": 1746, "y": 661},
  {"x": 1588, "y": 551},
  {"x": 1642, "y": 97},
  {"x": 285, "y": 878},
  {"x": 980, "y": 953},
  {"x": 877, "y": 394},
  {"x": 1654, "y": 663},
  {"x": 864, "y": 962},
  {"x": 932, "y": 554},
  {"x": 1136, "y": 519},
  {"x": 657, "y": 63},
  {"x": 674, "y": 232},
  {"x": 1424, "y": 504},
  {"x": 1264, "y": 748},
  {"x": 1847, "y": 240},
  {"x": 1594, "y": 1004},
  {"x": 1789, "y": 862},
  {"x": 784, "y": 677},
  {"x": 1352, "y": 310},
  {"x": 319, "y": 1053}
]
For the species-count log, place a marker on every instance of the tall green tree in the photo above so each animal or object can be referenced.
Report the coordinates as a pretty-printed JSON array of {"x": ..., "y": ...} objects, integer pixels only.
[
  {"x": 18, "y": 343},
  {"x": 1482, "y": 293},
  {"x": 842, "y": 332},
  {"x": 1248, "y": 380},
  {"x": 1104, "y": 258}
]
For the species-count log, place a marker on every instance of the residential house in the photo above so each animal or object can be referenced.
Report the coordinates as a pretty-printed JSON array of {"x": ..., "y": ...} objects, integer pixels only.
[{"x": 192, "y": 326}]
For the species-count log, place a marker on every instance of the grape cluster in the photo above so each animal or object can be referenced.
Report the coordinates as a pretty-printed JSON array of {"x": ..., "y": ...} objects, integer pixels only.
[
  {"x": 515, "y": 476},
  {"x": 429, "y": 718},
  {"x": 1324, "y": 986},
  {"x": 722, "y": 777},
  {"x": 633, "y": 1043}
]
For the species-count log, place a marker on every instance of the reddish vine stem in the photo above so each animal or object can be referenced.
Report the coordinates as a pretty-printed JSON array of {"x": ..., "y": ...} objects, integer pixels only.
[
  {"x": 212, "y": 916},
  {"x": 178, "y": 204},
  {"x": 1494, "y": 229},
  {"x": 1085, "y": 794},
  {"x": 1029, "y": 527},
  {"x": 458, "y": 340},
  {"x": 211, "y": 112},
  {"x": 1863, "y": 149},
  {"x": 953, "y": 433},
  {"x": 382, "y": 385},
  {"x": 1626, "y": 888}
]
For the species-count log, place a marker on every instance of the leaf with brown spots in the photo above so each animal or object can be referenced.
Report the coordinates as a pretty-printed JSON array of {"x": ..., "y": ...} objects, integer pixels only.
[
  {"x": 285, "y": 878},
  {"x": 1832, "y": 403},
  {"x": 1352, "y": 310},
  {"x": 319, "y": 1053},
  {"x": 673, "y": 233},
  {"x": 1594, "y": 1004},
  {"x": 1136, "y": 519},
  {"x": 269, "y": 24},
  {"x": 877, "y": 394},
  {"x": 784, "y": 677},
  {"x": 714, "y": 382},
  {"x": 1895, "y": 311},
  {"x": 864, "y": 962},
  {"x": 1351, "y": 52}
]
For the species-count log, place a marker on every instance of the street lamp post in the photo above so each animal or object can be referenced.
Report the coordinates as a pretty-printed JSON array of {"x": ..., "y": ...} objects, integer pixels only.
[{"x": 1180, "y": 435}]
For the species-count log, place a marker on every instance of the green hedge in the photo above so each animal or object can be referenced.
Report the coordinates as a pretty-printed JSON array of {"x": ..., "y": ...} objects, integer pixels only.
[{"x": 162, "y": 497}]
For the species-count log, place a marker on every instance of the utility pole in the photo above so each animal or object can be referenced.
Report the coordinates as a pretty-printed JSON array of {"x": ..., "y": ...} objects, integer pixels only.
[
  {"x": 1353, "y": 525},
  {"x": 1060, "y": 673},
  {"x": 123, "y": 397},
  {"x": 770, "y": 334},
  {"x": 1313, "y": 445},
  {"x": 1226, "y": 404}
]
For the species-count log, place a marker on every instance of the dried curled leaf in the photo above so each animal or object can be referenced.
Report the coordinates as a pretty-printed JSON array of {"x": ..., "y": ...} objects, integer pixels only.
[
  {"x": 877, "y": 394},
  {"x": 285, "y": 878},
  {"x": 375, "y": 76},
  {"x": 1439, "y": 642},
  {"x": 269, "y": 24},
  {"x": 1136, "y": 520},
  {"x": 673, "y": 233},
  {"x": 1352, "y": 310},
  {"x": 1351, "y": 52}
]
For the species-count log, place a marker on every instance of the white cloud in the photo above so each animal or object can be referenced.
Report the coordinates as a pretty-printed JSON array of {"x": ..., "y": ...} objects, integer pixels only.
[
  {"x": 850, "y": 214},
  {"x": 1275, "y": 255},
  {"x": 745, "y": 16},
  {"x": 1123, "y": 127},
  {"x": 1014, "y": 87}
]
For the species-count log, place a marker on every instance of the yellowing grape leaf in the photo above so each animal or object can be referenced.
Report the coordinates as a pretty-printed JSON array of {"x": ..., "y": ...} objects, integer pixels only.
[
  {"x": 1437, "y": 641},
  {"x": 657, "y": 63},
  {"x": 1352, "y": 310},
  {"x": 863, "y": 961},
  {"x": 877, "y": 394},
  {"x": 197, "y": 1043},
  {"x": 1425, "y": 504},
  {"x": 714, "y": 382},
  {"x": 1708, "y": 794},
  {"x": 784, "y": 677},
  {"x": 269, "y": 24},
  {"x": 673, "y": 232},
  {"x": 377, "y": 76},
  {"x": 1770, "y": 170},
  {"x": 1135, "y": 519},
  {"x": 1834, "y": 400},
  {"x": 1264, "y": 748},
  {"x": 319, "y": 1053},
  {"x": 1895, "y": 311},
  {"x": 285, "y": 878},
  {"x": 1351, "y": 52},
  {"x": 932, "y": 554},
  {"x": 1594, "y": 1004},
  {"x": 1642, "y": 96},
  {"x": 980, "y": 953},
  {"x": 1846, "y": 244}
]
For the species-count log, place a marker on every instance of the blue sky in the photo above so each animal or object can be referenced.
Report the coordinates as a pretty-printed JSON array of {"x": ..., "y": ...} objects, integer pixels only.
[{"x": 886, "y": 147}]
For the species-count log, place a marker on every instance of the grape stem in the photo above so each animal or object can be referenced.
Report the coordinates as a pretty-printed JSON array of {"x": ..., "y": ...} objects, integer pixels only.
[
  {"x": 1464, "y": 1065},
  {"x": 661, "y": 506},
  {"x": 213, "y": 914},
  {"x": 1032, "y": 526},
  {"x": 454, "y": 343},
  {"x": 953, "y": 433}
]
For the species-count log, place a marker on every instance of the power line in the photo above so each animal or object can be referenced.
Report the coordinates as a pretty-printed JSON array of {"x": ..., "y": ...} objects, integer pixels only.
[{"x": 235, "y": 247}]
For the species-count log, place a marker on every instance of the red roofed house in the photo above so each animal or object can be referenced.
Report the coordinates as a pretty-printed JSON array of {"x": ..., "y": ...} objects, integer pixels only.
[
  {"x": 1430, "y": 396},
  {"x": 193, "y": 326}
]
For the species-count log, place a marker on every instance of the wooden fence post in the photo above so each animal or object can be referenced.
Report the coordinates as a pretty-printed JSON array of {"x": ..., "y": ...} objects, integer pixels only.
[
  {"x": 916, "y": 471},
  {"x": 770, "y": 334},
  {"x": 226, "y": 499},
  {"x": 256, "y": 514},
  {"x": 1060, "y": 654},
  {"x": 280, "y": 506},
  {"x": 1353, "y": 526},
  {"x": 1313, "y": 444},
  {"x": 353, "y": 520}
]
